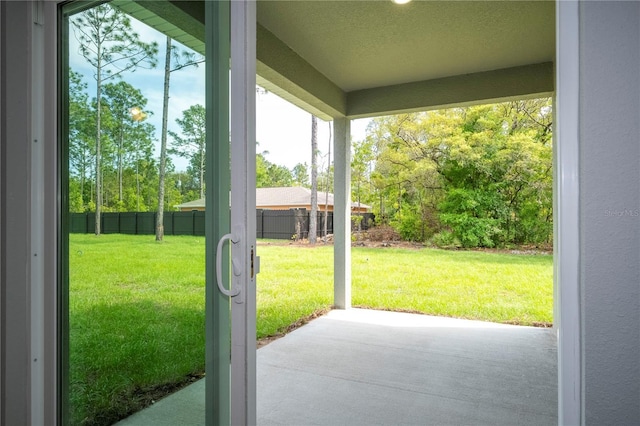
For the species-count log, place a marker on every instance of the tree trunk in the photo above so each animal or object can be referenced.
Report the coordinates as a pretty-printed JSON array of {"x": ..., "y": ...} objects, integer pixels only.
[
  {"x": 202, "y": 170},
  {"x": 120, "y": 167},
  {"x": 326, "y": 191},
  {"x": 98, "y": 168},
  {"x": 163, "y": 145},
  {"x": 313, "y": 218}
]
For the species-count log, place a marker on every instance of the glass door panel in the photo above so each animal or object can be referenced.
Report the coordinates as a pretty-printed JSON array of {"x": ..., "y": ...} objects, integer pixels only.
[
  {"x": 159, "y": 277},
  {"x": 133, "y": 299}
]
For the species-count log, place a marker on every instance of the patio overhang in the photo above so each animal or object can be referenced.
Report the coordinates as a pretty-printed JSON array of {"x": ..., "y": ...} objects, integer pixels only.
[
  {"x": 352, "y": 59},
  {"x": 371, "y": 58}
]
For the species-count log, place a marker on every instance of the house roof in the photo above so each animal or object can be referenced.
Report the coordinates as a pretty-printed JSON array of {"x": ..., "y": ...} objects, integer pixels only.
[
  {"x": 295, "y": 197},
  {"x": 192, "y": 204}
]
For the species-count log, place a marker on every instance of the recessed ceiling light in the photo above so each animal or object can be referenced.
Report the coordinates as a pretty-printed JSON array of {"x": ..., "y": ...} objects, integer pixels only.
[{"x": 401, "y": 1}]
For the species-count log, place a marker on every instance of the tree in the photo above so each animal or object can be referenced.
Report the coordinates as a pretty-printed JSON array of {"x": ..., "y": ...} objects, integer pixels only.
[
  {"x": 270, "y": 175},
  {"x": 326, "y": 190},
  {"x": 181, "y": 59},
  {"x": 125, "y": 104},
  {"x": 477, "y": 176},
  {"x": 313, "y": 217},
  {"x": 192, "y": 141},
  {"x": 301, "y": 174},
  {"x": 109, "y": 44},
  {"x": 362, "y": 156},
  {"x": 81, "y": 121}
]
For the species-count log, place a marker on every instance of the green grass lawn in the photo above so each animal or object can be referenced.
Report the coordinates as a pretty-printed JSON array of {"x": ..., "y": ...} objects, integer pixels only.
[
  {"x": 137, "y": 307},
  {"x": 136, "y": 320}
]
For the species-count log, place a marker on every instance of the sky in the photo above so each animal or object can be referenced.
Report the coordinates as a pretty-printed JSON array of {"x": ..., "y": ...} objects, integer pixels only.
[{"x": 283, "y": 131}]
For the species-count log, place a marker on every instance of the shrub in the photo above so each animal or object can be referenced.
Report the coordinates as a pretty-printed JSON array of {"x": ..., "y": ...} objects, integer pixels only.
[
  {"x": 383, "y": 233},
  {"x": 410, "y": 225},
  {"x": 446, "y": 239}
]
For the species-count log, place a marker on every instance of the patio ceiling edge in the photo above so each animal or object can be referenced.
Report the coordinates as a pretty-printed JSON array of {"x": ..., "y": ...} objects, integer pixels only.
[{"x": 501, "y": 85}]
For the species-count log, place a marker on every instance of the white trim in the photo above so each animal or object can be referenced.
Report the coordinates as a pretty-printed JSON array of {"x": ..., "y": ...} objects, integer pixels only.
[
  {"x": 243, "y": 207},
  {"x": 51, "y": 212},
  {"x": 2, "y": 255},
  {"x": 570, "y": 405},
  {"x": 37, "y": 211}
]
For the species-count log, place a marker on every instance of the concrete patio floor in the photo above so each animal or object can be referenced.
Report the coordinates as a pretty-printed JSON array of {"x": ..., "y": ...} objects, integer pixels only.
[{"x": 362, "y": 367}]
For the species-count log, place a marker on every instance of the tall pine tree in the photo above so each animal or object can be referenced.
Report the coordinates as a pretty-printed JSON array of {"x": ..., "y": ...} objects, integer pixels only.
[{"x": 109, "y": 44}]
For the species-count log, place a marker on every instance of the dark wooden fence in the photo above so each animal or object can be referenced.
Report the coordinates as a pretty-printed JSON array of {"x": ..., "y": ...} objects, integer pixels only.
[
  {"x": 275, "y": 224},
  {"x": 175, "y": 223}
]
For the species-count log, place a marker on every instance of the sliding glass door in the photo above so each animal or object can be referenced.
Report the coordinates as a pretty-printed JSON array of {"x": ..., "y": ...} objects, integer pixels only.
[{"x": 157, "y": 112}]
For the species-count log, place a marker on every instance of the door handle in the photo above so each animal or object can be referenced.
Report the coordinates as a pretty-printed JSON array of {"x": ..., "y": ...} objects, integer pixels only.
[{"x": 235, "y": 263}]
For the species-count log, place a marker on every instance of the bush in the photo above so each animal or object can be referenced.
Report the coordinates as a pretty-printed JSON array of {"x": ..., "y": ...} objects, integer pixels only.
[
  {"x": 410, "y": 225},
  {"x": 383, "y": 233},
  {"x": 473, "y": 231},
  {"x": 474, "y": 217},
  {"x": 446, "y": 239}
]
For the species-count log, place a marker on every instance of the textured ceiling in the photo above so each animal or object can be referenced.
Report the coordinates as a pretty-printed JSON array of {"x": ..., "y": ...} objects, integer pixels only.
[
  {"x": 373, "y": 57},
  {"x": 366, "y": 44}
]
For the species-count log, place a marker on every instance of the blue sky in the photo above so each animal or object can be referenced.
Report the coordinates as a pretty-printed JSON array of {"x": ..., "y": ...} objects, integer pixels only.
[{"x": 282, "y": 129}]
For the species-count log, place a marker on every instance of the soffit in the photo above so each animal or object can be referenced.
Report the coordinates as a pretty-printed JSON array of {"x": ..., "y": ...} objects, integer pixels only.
[
  {"x": 366, "y": 44},
  {"x": 367, "y": 58}
]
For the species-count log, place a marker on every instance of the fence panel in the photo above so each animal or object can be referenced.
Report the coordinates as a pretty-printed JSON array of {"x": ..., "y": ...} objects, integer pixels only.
[
  {"x": 259, "y": 223},
  {"x": 198, "y": 223},
  {"x": 275, "y": 224},
  {"x": 128, "y": 223},
  {"x": 91, "y": 223},
  {"x": 167, "y": 221},
  {"x": 278, "y": 224},
  {"x": 78, "y": 223},
  {"x": 183, "y": 223},
  {"x": 110, "y": 223},
  {"x": 320, "y": 222},
  {"x": 366, "y": 222},
  {"x": 146, "y": 223}
]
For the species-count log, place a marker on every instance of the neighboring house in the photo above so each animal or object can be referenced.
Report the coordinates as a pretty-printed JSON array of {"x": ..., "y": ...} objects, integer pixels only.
[{"x": 284, "y": 198}]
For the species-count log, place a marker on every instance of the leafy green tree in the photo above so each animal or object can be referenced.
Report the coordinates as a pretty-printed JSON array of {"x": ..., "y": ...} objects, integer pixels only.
[
  {"x": 270, "y": 175},
  {"x": 279, "y": 175},
  {"x": 262, "y": 165},
  {"x": 191, "y": 142},
  {"x": 173, "y": 187},
  {"x": 132, "y": 138},
  {"x": 301, "y": 175},
  {"x": 362, "y": 157},
  {"x": 81, "y": 142},
  {"x": 479, "y": 175},
  {"x": 109, "y": 44}
]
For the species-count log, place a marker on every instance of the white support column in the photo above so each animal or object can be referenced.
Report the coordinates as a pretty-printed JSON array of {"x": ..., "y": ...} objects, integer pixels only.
[{"x": 342, "y": 214}]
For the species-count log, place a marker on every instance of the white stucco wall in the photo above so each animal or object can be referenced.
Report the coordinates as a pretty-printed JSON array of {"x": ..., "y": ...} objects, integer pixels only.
[{"x": 610, "y": 211}]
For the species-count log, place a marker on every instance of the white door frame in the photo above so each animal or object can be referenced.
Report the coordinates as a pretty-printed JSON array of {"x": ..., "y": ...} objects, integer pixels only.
[
  {"x": 245, "y": 264},
  {"x": 567, "y": 218}
]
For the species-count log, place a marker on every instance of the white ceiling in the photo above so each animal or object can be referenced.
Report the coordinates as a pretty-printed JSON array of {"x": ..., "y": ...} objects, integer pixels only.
[
  {"x": 374, "y": 57},
  {"x": 365, "y": 44}
]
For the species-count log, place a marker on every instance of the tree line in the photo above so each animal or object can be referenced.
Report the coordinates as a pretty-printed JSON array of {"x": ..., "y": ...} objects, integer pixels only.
[
  {"x": 469, "y": 177},
  {"x": 473, "y": 177},
  {"x": 112, "y": 164}
]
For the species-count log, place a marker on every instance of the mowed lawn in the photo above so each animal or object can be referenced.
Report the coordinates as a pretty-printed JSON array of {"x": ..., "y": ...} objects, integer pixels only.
[{"x": 137, "y": 307}]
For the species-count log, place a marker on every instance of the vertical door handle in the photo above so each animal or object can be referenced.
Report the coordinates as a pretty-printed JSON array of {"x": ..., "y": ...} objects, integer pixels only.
[{"x": 236, "y": 265}]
